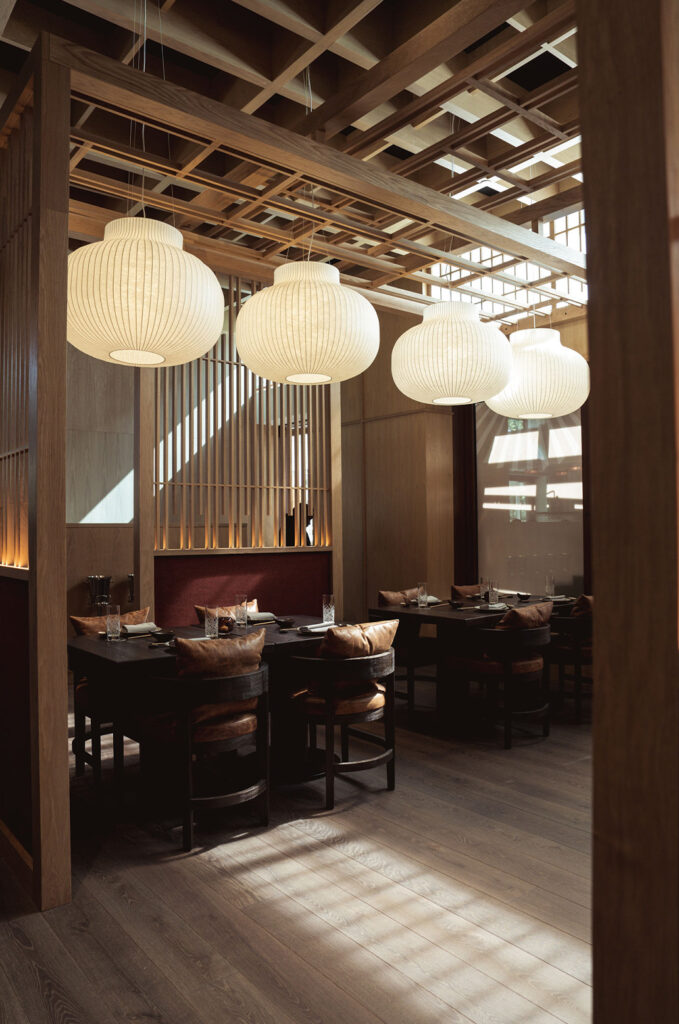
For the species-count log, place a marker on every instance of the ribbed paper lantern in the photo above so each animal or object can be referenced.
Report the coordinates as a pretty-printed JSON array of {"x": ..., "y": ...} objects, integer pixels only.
[
  {"x": 306, "y": 328},
  {"x": 451, "y": 358},
  {"x": 546, "y": 380},
  {"x": 138, "y": 298}
]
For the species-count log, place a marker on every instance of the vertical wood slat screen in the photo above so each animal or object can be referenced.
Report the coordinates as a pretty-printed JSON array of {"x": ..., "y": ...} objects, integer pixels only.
[
  {"x": 238, "y": 458},
  {"x": 15, "y": 289}
]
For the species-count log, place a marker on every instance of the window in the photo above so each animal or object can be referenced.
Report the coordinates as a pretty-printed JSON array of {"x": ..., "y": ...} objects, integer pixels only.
[{"x": 530, "y": 500}]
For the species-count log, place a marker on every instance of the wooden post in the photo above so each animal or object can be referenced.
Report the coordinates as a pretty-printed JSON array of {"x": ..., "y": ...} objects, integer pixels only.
[
  {"x": 629, "y": 89},
  {"x": 144, "y": 505},
  {"x": 47, "y": 485},
  {"x": 336, "y": 498}
]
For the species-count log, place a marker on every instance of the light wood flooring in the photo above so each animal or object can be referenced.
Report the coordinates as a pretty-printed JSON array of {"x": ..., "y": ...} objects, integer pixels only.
[{"x": 463, "y": 896}]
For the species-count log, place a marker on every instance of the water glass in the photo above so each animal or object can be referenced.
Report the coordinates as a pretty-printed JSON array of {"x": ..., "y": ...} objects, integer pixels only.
[
  {"x": 113, "y": 622},
  {"x": 328, "y": 607},
  {"x": 493, "y": 595},
  {"x": 549, "y": 585},
  {"x": 422, "y": 595},
  {"x": 212, "y": 623},
  {"x": 241, "y": 610}
]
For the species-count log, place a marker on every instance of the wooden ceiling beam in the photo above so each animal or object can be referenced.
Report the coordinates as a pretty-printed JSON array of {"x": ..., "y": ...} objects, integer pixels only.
[
  {"x": 421, "y": 109},
  {"x": 439, "y": 41},
  {"x": 100, "y": 78}
]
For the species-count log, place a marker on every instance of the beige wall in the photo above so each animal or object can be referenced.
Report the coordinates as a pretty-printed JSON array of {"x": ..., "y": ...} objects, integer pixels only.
[
  {"x": 397, "y": 482},
  {"x": 99, "y": 453}
]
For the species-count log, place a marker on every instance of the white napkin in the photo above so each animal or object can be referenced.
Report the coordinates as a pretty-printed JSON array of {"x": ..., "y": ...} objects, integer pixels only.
[
  {"x": 261, "y": 617},
  {"x": 317, "y": 627},
  {"x": 140, "y": 628}
]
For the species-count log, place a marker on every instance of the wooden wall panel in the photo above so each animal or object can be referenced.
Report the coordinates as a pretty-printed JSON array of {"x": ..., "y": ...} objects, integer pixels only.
[
  {"x": 34, "y": 124},
  {"x": 235, "y": 454},
  {"x": 107, "y": 549},
  {"x": 397, "y": 482},
  {"x": 631, "y": 182}
]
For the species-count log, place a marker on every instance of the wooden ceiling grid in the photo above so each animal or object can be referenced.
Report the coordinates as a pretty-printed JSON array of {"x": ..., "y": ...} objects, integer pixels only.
[{"x": 392, "y": 139}]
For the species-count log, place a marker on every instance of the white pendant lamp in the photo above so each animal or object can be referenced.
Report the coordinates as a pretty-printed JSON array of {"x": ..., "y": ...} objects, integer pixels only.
[
  {"x": 546, "y": 380},
  {"x": 137, "y": 298},
  {"x": 451, "y": 358},
  {"x": 306, "y": 328}
]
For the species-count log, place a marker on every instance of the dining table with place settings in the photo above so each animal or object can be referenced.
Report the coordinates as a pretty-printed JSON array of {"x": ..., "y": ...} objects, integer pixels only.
[
  {"x": 455, "y": 624},
  {"x": 127, "y": 674}
]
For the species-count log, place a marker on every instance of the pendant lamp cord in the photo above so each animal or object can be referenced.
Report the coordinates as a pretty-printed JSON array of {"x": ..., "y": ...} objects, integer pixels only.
[
  {"x": 143, "y": 125},
  {"x": 309, "y": 110},
  {"x": 169, "y": 142}
]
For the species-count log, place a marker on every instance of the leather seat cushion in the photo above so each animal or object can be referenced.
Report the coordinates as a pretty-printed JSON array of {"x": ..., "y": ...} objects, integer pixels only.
[
  {"x": 231, "y": 656},
  {"x": 216, "y": 729},
  {"x": 94, "y": 624},
  {"x": 530, "y": 617},
  {"x": 212, "y": 723},
  {"x": 359, "y": 641},
  {"x": 387, "y": 597},
  {"x": 487, "y": 667},
  {"x": 350, "y": 700}
]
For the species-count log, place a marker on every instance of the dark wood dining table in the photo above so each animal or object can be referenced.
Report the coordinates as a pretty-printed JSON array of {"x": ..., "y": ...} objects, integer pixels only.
[
  {"x": 127, "y": 675},
  {"x": 454, "y": 629}
]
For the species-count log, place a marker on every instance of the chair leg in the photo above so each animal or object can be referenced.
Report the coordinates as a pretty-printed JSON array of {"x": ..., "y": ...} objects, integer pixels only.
[
  {"x": 329, "y": 763},
  {"x": 187, "y": 831},
  {"x": 410, "y": 688},
  {"x": 312, "y": 736},
  {"x": 345, "y": 743},
  {"x": 79, "y": 743},
  {"x": 508, "y": 713},
  {"x": 562, "y": 684},
  {"x": 95, "y": 732},
  {"x": 118, "y": 760},
  {"x": 578, "y": 693},
  {"x": 390, "y": 733}
]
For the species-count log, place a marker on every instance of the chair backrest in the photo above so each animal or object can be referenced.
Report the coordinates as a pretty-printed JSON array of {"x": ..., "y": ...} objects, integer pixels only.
[
  {"x": 506, "y": 644},
  {"x": 577, "y": 628},
  {"x": 193, "y": 691},
  {"x": 344, "y": 670}
]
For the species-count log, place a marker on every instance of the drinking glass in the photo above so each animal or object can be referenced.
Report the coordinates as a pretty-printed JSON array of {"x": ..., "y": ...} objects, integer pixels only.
[
  {"x": 492, "y": 592},
  {"x": 241, "y": 610},
  {"x": 113, "y": 622},
  {"x": 422, "y": 595},
  {"x": 212, "y": 623},
  {"x": 549, "y": 584},
  {"x": 328, "y": 607}
]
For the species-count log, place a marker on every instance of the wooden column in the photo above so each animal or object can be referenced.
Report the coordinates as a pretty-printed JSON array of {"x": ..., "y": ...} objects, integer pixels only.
[
  {"x": 47, "y": 487},
  {"x": 144, "y": 505},
  {"x": 629, "y": 89},
  {"x": 336, "y": 498}
]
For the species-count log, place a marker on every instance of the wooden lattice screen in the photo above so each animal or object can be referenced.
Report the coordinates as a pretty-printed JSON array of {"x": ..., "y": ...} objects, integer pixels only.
[
  {"x": 240, "y": 462},
  {"x": 16, "y": 184}
]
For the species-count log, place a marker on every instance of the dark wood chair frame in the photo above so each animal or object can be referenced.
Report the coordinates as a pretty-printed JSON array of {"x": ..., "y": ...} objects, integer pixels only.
[
  {"x": 81, "y": 734},
  {"x": 507, "y": 646},
  {"x": 324, "y": 674},
  {"x": 576, "y": 631},
  {"x": 184, "y": 695}
]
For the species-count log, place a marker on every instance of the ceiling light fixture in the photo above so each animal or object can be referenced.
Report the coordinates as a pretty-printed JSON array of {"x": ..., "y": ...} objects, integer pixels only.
[
  {"x": 137, "y": 298},
  {"x": 307, "y": 328},
  {"x": 451, "y": 358},
  {"x": 546, "y": 380}
]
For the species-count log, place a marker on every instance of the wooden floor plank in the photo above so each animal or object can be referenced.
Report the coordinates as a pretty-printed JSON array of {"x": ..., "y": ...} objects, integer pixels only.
[{"x": 461, "y": 897}]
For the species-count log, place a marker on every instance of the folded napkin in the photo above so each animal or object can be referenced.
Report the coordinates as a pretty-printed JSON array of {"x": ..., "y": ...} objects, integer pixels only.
[
  {"x": 430, "y": 600},
  {"x": 139, "y": 629},
  {"x": 317, "y": 627},
  {"x": 261, "y": 617}
]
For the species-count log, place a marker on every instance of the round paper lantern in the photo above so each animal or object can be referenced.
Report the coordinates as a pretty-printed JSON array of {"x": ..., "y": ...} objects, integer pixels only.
[
  {"x": 306, "y": 328},
  {"x": 451, "y": 358},
  {"x": 546, "y": 380},
  {"x": 138, "y": 298}
]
